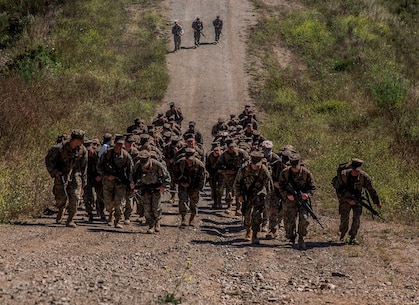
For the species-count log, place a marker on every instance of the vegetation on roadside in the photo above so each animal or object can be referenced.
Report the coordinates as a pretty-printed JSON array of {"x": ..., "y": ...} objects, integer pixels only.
[
  {"x": 89, "y": 64},
  {"x": 347, "y": 90}
]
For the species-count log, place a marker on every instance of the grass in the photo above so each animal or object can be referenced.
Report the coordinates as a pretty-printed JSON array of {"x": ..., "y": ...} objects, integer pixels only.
[
  {"x": 87, "y": 73},
  {"x": 350, "y": 95}
]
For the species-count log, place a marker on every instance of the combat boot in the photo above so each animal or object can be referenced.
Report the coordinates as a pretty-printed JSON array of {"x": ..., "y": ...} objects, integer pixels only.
[
  {"x": 273, "y": 234},
  {"x": 255, "y": 239},
  {"x": 116, "y": 224},
  {"x": 90, "y": 218},
  {"x": 110, "y": 219},
  {"x": 342, "y": 237},
  {"x": 157, "y": 226},
  {"x": 238, "y": 209},
  {"x": 70, "y": 223},
  {"x": 184, "y": 223},
  {"x": 192, "y": 223},
  {"x": 150, "y": 229},
  {"x": 248, "y": 235},
  {"x": 301, "y": 243},
  {"x": 228, "y": 210},
  {"x": 59, "y": 217},
  {"x": 127, "y": 222},
  {"x": 353, "y": 241}
]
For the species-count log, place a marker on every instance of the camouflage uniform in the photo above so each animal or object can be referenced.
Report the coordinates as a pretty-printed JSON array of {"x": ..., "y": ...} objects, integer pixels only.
[
  {"x": 116, "y": 170},
  {"x": 197, "y": 28},
  {"x": 150, "y": 175},
  {"x": 177, "y": 32},
  {"x": 131, "y": 200},
  {"x": 216, "y": 179},
  {"x": 191, "y": 179},
  {"x": 228, "y": 164},
  {"x": 94, "y": 183},
  {"x": 253, "y": 184},
  {"x": 174, "y": 113},
  {"x": 218, "y": 27},
  {"x": 170, "y": 152},
  {"x": 68, "y": 162},
  {"x": 351, "y": 187},
  {"x": 303, "y": 182}
]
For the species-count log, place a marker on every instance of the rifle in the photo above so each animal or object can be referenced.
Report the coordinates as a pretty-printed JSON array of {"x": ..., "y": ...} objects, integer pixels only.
[
  {"x": 365, "y": 201},
  {"x": 114, "y": 171},
  {"x": 65, "y": 183},
  {"x": 304, "y": 203}
]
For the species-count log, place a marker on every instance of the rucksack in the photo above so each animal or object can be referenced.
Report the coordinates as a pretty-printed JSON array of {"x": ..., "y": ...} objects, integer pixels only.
[{"x": 341, "y": 167}]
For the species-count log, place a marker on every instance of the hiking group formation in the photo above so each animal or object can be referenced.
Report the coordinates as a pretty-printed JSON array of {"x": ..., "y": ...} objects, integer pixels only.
[
  {"x": 198, "y": 27},
  {"x": 132, "y": 170}
]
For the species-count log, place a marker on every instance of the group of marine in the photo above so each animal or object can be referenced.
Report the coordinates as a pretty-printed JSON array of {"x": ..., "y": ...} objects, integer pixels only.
[{"x": 136, "y": 168}]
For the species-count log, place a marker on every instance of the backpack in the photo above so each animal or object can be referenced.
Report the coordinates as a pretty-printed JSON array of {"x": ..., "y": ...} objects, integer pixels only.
[{"x": 341, "y": 167}]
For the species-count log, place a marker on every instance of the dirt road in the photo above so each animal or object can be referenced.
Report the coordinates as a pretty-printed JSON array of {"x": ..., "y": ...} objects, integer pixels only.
[{"x": 45, "y": 263}]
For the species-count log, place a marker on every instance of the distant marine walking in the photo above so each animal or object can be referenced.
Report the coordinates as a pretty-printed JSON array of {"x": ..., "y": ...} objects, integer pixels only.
[
  {"x": 218, "y": 27},
  {"x": 177, "y": 32}
]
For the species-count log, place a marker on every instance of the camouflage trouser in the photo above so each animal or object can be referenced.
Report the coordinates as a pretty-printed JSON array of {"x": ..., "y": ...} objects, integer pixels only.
[
  {"x": 229, "y": 186},
  {"x": 140, "y": 206},
  {"x": 178, "y": 40},
  {"x": 129, "y": 204},
  {"x": 217, "y": 34},
  {"x": 344, "y": 211},
  {"x": 92, "y": 188},
  {"x": 253, "y": 213},
  {"x": 115, "y": 196},
  {"x": 292, "y": 210},
  {"x": 74, "y": 191},
  {"x": 216, "y": 183},
  {"x": 152, "y": 207},
  {"x": 197, "y": 37},
  {"x": 187, "y": 198},
  {"x": 276, "y": 212}
]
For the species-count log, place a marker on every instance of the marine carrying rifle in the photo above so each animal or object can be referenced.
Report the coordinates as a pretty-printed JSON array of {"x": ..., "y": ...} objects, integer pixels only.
[
  {"x": 304, "y": 203},
  {"x": 365, "y": 201},
  {"x": 114, "y": 171}
]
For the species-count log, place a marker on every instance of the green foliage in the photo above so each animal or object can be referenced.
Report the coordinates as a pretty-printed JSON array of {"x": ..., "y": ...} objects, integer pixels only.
[
  {"x": 171, "y": 296},
  {"x": 307, "y": 32},
  {"x": 351, "y": 94},
  {"x": 33, "y": 61},
  {"x": 105, "y": 67},
  {"x": 388, "y": 87}
]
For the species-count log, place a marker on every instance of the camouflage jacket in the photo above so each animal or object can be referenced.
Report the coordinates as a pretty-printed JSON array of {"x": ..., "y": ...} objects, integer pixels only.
[
  {"x": 194, "y": 175},
  {"x": 210, "y": 162},
  {"x": 250, "y": 182},
  {"x": 111, "y": 162},
  {"x": 70, "y": 162},
  {"x": 156, "y": 175},
  {"x": 232, "y": 161},
  {"x": 302, "y": 181},
  {"x": 352, "y": 186}
]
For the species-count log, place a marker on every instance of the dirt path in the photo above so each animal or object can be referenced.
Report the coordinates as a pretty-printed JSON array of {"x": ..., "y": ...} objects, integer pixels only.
[
  {"x": 45, "y": 263},
  {"x": 209, "y": 81}
]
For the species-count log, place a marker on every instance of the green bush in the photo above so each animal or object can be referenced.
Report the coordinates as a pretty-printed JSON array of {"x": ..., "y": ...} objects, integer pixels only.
[{"x": 388, "y": 87}]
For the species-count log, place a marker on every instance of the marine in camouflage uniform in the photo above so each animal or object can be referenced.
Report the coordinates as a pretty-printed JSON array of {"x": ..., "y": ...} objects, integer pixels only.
[
  {"x": 174, "y": 114},
  {"x": 189, "y": 174},
  {"x": 350, "y": 186},
  {"x": 218, "y": 27},
  {"x": 252, "y": 185},
  {"x": 131, "y": 200},
  {"x": 151, "y": 179},
  {"x": 170, "y": 152},
  {"x": 116, "y": 167},
  {"x": 270, "y": 159},
  {"x": 94, "y": 182},
  {"x": 301, "y": 180},
  {"x": 216, "y": 179},
  {"x": 67, "y": 164},
  {"x": 228, "y": 165}
]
